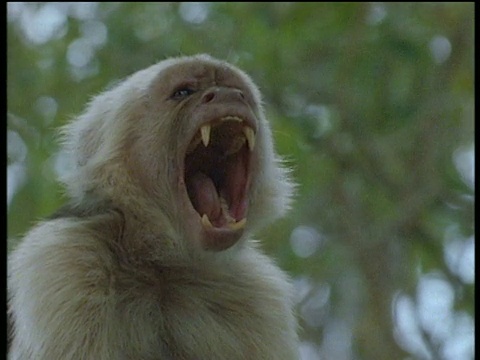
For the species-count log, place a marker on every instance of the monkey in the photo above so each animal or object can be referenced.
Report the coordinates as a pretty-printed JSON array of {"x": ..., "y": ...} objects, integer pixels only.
[{"x": 173, "y": 170}]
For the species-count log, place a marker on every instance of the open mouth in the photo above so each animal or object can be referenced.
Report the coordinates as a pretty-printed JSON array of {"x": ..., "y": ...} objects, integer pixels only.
[{"x": 217, "y": 172}]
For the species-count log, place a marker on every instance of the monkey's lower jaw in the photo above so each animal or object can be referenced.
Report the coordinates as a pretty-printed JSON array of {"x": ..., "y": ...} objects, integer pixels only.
[{"x": 217, "y": 177}]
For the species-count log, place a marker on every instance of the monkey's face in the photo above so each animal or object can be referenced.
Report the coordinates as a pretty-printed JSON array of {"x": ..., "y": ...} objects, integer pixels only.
[
  {"x": 184, "y": 146},
  {"x": 213, "y": 136}
]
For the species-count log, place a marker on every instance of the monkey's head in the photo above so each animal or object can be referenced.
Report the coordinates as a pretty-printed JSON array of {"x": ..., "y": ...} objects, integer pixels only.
[{"x": 183, "y": 143}]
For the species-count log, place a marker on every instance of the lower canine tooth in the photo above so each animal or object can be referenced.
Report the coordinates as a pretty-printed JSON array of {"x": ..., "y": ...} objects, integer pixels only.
[
  {"x": 238, "y": 225},
  {"x": 206, "y": 221}
]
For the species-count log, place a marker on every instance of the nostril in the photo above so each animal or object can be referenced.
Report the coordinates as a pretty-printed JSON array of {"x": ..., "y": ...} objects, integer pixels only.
[
  {"x": 221, "y": 94},
  {"x": 208, "y": 97}
]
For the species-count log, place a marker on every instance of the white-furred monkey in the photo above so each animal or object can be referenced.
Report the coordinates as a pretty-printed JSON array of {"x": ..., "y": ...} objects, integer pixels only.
[{"x": 173, "y": 170}]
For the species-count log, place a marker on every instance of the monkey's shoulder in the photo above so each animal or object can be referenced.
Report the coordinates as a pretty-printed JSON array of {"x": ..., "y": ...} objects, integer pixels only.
[{"x": 64, "y": 250}]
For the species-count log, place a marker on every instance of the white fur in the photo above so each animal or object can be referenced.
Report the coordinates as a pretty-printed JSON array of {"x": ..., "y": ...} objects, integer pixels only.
[{"x": 115, "y": 285}]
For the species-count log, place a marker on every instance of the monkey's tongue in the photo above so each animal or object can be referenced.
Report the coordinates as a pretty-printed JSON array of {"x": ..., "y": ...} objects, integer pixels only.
[
  {"x": 229, "y": 206},
  {"x": 204, "y": 196}
]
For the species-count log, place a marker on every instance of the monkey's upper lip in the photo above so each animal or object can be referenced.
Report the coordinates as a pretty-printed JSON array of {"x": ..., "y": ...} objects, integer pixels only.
[{"x": 217, "y": 172}]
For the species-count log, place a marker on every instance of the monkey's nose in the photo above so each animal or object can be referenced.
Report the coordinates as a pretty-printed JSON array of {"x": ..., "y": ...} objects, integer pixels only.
[{"x": 222, "y": 94}]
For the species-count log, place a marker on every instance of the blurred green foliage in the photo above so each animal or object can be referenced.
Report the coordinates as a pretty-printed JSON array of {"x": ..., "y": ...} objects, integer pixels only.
[{"x": 371, "y": 104}]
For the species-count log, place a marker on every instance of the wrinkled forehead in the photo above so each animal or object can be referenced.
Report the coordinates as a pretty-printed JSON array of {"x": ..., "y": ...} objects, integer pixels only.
[{"x": 200, "y": 72}]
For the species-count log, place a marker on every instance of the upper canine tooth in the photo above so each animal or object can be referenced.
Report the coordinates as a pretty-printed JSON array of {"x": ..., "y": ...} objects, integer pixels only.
[
  {"x": 205, "y": 130},
  {"x": 250, "y": 135},
  {"x": 206, "y": 222}
]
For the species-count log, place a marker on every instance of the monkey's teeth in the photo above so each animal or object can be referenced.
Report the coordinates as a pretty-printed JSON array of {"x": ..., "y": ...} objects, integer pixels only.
[
  {"x": 237, "y": 225},
  {"x": 231, "y": 118},
  {"x": 206, "y": 221},
  {"x": 231, "y": 225},
  {"x": 205, "y": 130},
  {"x": 250, "y": 135}
]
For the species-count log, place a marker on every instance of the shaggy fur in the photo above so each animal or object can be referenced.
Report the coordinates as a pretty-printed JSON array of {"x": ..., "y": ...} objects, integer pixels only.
[{"x": 122, "y": 272}]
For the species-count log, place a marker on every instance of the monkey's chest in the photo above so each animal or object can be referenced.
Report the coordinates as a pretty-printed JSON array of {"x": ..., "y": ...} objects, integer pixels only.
[{"x": 198, "y": 321}]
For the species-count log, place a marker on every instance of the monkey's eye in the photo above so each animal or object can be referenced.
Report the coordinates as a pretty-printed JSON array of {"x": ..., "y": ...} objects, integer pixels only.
[{"x": 182, "y": 93}]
